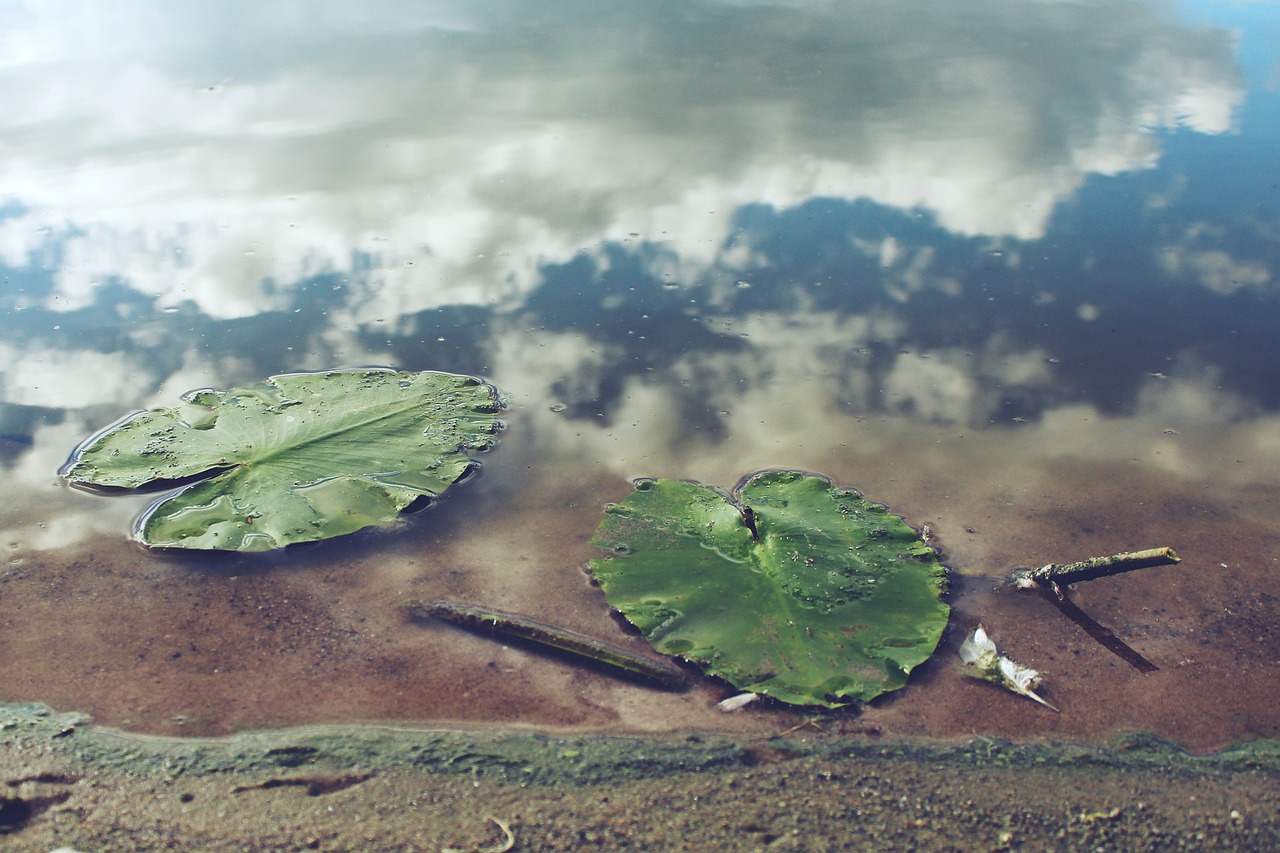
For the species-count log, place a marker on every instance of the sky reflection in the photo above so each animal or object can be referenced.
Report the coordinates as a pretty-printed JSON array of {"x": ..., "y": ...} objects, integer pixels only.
[
  {"x": 654, "y": 219},
  {"x": 441, "y": 163}
]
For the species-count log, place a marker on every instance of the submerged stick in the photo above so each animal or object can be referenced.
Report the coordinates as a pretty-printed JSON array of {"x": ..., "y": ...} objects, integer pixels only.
[
  {"x": 522, "y": 627},
  {"x": 1096, "y": 567}
]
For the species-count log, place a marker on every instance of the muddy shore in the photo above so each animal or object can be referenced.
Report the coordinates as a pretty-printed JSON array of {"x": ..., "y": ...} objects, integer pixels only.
[{"x": 69, "y": 784}]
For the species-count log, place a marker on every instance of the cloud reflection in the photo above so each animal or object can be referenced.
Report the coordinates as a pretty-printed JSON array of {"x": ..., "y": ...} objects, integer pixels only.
[
  {"x": 611, "y": 214},
  {"x": 440, "y": 158},
  {"x": 1215, "y": 269}
]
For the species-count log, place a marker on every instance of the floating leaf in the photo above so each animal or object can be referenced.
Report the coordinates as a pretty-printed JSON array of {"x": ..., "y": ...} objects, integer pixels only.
[
  {"x": 790, "y": 587},
  {"x": 300, "y": 457}
]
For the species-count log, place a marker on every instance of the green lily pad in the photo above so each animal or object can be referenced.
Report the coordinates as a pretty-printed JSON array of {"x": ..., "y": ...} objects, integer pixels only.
[
  {"x": 298, "y": 458},
  {"x": 789, "y": 587}
]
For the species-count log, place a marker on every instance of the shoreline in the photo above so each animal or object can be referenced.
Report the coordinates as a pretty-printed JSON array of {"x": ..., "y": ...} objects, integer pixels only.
[{"x": 69, "y": 783}]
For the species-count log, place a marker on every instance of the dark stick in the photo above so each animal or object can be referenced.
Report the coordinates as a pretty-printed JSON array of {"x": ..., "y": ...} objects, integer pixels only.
[{"x": 562, "y": 640}]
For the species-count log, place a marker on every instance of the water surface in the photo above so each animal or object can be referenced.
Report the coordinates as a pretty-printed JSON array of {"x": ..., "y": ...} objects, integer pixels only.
[{"x": 1008, "y": 267}]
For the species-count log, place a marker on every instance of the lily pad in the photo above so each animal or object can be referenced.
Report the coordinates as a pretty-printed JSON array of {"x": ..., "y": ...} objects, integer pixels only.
[
  {"x": 789, "y": 587},
  {"x": 297, "y": 458}
]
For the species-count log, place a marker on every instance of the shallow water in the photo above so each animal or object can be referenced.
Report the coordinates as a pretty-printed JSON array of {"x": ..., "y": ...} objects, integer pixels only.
[{"x": 1009, "y": 269}]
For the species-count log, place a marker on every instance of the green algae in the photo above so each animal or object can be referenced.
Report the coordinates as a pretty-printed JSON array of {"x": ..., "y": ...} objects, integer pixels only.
[{"x": 544, "y": 759}]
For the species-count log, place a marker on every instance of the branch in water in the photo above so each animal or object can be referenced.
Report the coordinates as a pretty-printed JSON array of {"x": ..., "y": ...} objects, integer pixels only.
[
  {"x": 1096, "y": 567},
  {"x": 562, "y": 640},
  {"x": 1053, "y": 579}
]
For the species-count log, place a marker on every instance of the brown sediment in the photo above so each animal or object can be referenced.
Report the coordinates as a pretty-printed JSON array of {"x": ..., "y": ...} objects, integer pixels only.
[
  {"x": 202, "y": 647},
  {"x": 804, "y": 805}
]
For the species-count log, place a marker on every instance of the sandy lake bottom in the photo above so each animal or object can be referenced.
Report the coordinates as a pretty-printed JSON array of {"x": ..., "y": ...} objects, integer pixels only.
[{"x": 182, "y": 654}]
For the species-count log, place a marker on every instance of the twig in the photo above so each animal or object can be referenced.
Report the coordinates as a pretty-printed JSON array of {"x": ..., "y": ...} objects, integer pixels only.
[
  {"x": 492, "y": 621},
  {"x": 1096, "y": 567},
  {"x": 508, "y": 841},
  {"x": 812, "y": 721},
  {"x": 1053, "y": 579}
]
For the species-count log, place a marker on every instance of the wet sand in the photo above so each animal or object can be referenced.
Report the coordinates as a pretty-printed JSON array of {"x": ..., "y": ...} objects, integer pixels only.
[{"x": 68, "y": 786}]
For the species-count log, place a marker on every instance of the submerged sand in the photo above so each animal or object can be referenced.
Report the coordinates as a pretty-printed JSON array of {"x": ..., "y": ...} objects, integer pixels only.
[
  {"x": 216, "y": 645},
  {"x": 157, "y": 645}
]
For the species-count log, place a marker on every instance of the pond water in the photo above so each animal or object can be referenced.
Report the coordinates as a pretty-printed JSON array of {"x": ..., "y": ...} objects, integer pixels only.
[{"x": 1008, "y": 267}]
